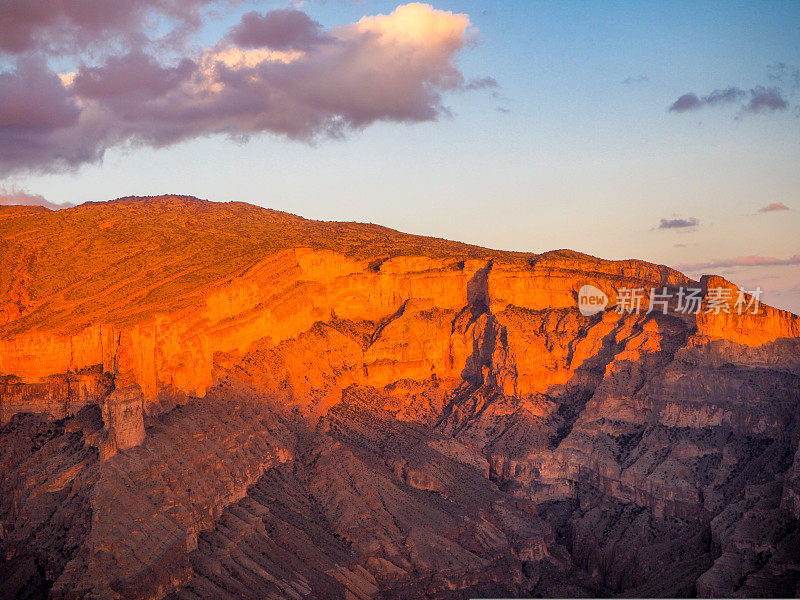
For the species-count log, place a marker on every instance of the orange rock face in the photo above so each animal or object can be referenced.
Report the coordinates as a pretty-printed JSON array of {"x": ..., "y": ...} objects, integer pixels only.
[
  {"x": 228, "y": 306},
  {"x": 144, "y": 306}
]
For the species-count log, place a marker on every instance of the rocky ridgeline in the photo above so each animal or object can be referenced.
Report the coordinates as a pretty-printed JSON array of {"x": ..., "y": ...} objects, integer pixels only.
[{"x": 253, "y": 405}]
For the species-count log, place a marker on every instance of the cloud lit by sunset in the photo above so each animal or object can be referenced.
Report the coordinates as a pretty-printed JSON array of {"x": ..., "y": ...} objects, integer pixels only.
[{"x": 390, "y": 67}]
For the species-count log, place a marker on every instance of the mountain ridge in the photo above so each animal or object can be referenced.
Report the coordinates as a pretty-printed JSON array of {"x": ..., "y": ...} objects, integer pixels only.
[{"x": 244, "y": 413}]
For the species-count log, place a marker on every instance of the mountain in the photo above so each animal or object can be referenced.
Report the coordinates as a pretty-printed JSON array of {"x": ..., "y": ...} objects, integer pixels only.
[{"x": 215, "y": 400}]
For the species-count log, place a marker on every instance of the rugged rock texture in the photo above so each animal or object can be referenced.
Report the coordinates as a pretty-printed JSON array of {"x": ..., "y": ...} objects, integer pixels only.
[{"x": 207, "y": 400}]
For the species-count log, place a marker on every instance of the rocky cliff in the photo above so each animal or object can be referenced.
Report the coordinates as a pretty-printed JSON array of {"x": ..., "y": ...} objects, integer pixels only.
[{"x": 227, "y": 401}]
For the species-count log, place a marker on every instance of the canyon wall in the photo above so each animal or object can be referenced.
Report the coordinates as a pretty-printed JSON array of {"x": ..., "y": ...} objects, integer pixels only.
[{"x": 223, "y": 388}]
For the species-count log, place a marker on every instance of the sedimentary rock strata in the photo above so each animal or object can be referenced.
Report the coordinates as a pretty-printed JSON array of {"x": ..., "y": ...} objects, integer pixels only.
[{"x": 206, "y": 400}]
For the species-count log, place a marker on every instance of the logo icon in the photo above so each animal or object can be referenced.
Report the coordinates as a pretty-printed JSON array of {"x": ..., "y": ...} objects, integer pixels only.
[{"x": 591, "y": 300}]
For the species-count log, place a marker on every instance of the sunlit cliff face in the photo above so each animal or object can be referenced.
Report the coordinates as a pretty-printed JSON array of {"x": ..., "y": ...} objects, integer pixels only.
[
  {"x": 184, "y": 382},
  {"x": 206, "y": 282}
]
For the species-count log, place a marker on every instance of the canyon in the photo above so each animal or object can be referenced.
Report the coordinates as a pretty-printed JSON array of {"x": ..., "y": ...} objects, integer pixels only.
[{"x": 216, "y": 400}]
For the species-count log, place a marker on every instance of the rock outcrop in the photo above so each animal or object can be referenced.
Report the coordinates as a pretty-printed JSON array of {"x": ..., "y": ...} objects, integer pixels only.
[{"x": 225, "y": 401}]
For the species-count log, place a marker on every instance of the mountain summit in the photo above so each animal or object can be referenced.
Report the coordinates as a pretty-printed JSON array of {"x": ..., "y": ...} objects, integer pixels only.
[{"x": 215, "y": 400}]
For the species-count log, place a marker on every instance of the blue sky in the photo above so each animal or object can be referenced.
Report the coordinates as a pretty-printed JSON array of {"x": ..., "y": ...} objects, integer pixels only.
[{"x": 563, "y": 153}]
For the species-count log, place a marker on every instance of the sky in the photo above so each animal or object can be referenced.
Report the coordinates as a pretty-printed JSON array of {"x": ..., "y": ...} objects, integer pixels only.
[{"x": 668, "y": 132}]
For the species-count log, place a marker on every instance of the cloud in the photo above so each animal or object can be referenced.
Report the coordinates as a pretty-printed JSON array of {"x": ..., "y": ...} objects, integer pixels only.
[
  {"x": 678, "y": 223},
  {"x": 726, "y": 96},
  {"x": 33, "y": 98},
  {"x": 130, "y": 79},
  {"x": 71, "y": 25},
  {"x": 716, "y": 98},
  {"x": 773, "y": 207},
  {"x": 279, "y": 30},
  {"x": 481, "y": 83},
  {"x": 744, "y": 261},
  {"x": 9, "y": 197},
  {"x": 783, "y": 73},
  {"x": 38, "y": 119},
  {"x": 392, "y": 67},
  {"x": 776, "y": 71},
  {"x": 686, "y": 102},
  {"x": 636, "y": 79},
  {"x": 763, "y": 99}
]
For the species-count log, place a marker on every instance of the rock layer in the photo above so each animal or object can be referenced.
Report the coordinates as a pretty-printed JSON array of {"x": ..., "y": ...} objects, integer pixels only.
[{"x": 238, "y": 402}]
